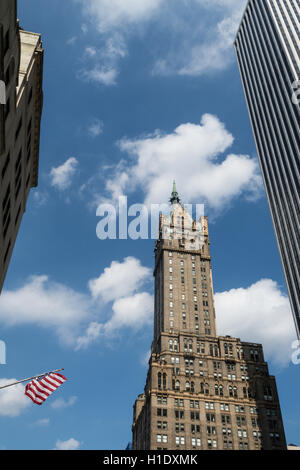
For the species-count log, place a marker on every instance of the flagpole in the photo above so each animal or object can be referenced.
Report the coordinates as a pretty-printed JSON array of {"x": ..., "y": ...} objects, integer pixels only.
[{"x": 30, "y": 378}]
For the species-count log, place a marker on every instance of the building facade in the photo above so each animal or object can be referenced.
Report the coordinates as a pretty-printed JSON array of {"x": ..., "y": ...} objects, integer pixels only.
[
  {"x": 202, "y": 391},
  {"x": 21, "y": 67},
  {"x": 268, "y": 53}
]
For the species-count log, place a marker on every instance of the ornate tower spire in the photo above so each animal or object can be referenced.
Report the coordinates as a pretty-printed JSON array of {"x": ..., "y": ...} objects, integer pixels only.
[{"x": 174, "y": 196}]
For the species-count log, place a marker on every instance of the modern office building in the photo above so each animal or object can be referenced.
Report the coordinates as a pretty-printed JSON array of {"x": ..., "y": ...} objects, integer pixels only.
[
  {"x": 21, "y": 67},
  {"x": 202, "y": 391},
  {"x": 268, "y": 53}
]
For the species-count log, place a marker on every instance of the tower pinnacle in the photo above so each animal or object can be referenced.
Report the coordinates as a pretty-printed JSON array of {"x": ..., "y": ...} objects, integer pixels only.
[{"x": 174, "y": 196}]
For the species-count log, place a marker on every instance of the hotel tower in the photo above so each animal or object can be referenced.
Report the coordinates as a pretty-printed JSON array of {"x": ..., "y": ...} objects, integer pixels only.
[
  {"x": 203, "y": 391},
  {"x": 21, "y": 68}
]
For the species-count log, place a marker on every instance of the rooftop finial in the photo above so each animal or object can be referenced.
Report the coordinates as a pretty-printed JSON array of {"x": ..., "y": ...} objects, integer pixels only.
[{"x": 174, "y": 196}]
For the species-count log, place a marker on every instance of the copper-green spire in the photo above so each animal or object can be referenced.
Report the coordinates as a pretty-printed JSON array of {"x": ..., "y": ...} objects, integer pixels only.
[{"x": 174, "y": 196}]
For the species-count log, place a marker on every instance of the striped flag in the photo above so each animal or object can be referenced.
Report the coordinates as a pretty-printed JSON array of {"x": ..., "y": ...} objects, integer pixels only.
[{"x": 39, "y": 390}]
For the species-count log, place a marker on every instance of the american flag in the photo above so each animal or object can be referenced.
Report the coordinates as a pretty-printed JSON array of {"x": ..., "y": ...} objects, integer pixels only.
[{"x": 39, "y": 390}]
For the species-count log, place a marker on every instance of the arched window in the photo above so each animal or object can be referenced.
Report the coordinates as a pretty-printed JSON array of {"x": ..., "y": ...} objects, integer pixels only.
[
  {"x": 177, "y": 385},
  {"x": 235, "y": 392},
  {"x": 159, "y": 380},
  {"x": 187, "y": 385},
  {"x": 164, "y": 381},
  {"x": 192, "y": 387},
  {"x": 216, "y": 389},
  {"x": 201, "y": 387}
]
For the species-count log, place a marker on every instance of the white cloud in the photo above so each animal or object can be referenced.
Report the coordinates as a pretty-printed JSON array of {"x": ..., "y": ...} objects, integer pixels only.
[
  {"x": 90, "y": 51},
  {"x": 120, "y": 279},
  {"x": 46, "y": 304},
  {"x": 61, "y": 403},
  {"x": 204, "y": 42},
  {"x": 132, "y": 312},
  {"x": 43, "y": 303},
  {"x": 145, "y": 358},
  {"x": 104, "y": 68},
  {"x": 42, "y": 422},
  {"x": 193, "y": 153},
  {"x": 61, "y": 177},
  {"x": 200, "y": 32},
  {"x": 120, "y": 284},
  {"x": 71, "y": 41},
  {"x": 105, "y": 75},
  {"x": 13, "y": 400},
  {"x": 110, "y": 14},
  {"x": 40, "y": 198},
  {"x": 95, "y": 128},
  {"x": 261, "y": 314},
  {"x": 70, "y": 444},
  {"x": 91, "y": 334}
]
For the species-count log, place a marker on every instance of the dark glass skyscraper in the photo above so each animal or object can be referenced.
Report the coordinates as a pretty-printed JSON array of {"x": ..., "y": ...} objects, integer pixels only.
[{"x": 268, "y": 53}]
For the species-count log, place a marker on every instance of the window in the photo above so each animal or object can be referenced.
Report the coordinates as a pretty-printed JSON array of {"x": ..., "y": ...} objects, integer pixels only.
[
  {"x": 224, "y": 407},
  {"x": 29, "y": 96},
  {"x": 209, "y": 406},
  {"x": 161, "y": 438},
  {"x": 7, "y": 109},
  {"x": 211, "y": 430},
  {"x": 179, "y": 427},
  {"x": 196, "y": 442},
  {"x": 210, "y": 417},
  {"x": 6, "y": 42},
  {"x": 162, "y": 399},
  {"x": 225, "y": 419},
  {"x": 18, "y": 128},
  {"x": 5, "y": 166},
  {"x": 179, "y": 414}
]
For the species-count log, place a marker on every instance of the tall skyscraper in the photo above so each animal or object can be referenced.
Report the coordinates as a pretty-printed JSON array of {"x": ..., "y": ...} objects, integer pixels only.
[
  {"x": 268, "y": 53},
  {"x": 21, "y": 68},
  {"x": 202, "y": 391}
]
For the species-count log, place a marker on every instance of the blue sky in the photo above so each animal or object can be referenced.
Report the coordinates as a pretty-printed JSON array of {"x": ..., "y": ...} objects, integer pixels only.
[{"x": 133, "y": 97}]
